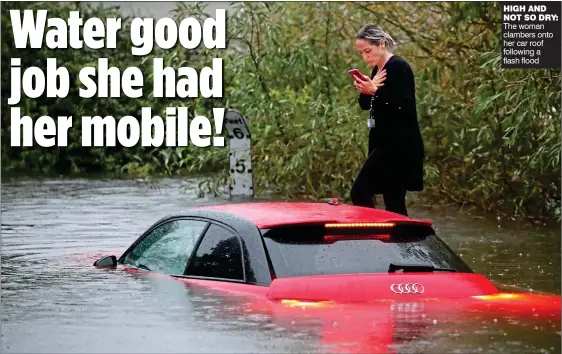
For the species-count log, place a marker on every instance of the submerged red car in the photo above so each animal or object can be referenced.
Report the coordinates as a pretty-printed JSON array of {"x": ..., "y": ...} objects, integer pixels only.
[{"x": 314, "y": 254}]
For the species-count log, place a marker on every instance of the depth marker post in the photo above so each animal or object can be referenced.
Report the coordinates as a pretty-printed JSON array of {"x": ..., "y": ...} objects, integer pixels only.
[{"x": 239, "y": 142}]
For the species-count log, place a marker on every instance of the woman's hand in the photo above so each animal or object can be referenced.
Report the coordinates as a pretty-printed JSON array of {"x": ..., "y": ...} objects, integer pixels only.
[{"x": 368, "y": 86}]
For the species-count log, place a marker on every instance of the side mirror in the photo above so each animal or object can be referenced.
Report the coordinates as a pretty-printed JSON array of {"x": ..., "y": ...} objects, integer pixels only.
[{"x": 107, "y": 261}]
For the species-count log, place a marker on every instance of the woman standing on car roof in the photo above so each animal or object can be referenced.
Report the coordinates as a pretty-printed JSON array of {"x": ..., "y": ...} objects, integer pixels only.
[{"x": 396, "y": 151}]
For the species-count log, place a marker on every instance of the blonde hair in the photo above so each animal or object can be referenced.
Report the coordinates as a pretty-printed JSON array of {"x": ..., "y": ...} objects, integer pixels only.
[{"x": 374, "y": 34}]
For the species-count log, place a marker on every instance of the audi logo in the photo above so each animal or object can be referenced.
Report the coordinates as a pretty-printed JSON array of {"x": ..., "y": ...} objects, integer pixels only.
[{"x": 407, "y": 288}]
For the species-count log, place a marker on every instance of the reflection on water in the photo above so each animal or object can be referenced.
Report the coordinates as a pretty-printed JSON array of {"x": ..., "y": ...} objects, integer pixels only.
[{"x": 54, "y": 301}]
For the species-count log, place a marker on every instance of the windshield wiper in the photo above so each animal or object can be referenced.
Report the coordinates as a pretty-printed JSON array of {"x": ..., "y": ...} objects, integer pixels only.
[
  {"x": 417, "y": 268},
  {"x": 142, "y": 266}
]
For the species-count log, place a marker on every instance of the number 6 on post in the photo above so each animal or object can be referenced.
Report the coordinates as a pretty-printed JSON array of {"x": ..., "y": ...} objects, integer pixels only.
[{"x": 239, "y": 143}]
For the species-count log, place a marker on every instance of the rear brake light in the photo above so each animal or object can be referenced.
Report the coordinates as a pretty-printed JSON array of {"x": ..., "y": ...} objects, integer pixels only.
[
  {"x": 334, "y": 238},
  {"x": 360, "y": 224}
]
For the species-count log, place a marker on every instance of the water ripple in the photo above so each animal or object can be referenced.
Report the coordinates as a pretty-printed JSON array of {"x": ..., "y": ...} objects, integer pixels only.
[{"x": 54, "y": 301}]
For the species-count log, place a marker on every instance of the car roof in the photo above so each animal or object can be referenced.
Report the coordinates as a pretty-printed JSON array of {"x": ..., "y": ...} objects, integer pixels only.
[{"x": 271, "y": 214}]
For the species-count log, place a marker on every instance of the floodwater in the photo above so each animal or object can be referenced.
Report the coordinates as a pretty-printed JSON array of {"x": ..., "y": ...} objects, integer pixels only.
[{"x": 53, "y": 300}]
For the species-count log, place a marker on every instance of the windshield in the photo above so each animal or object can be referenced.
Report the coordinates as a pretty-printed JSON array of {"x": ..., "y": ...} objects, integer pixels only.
[{"x": 302, "y": 251}]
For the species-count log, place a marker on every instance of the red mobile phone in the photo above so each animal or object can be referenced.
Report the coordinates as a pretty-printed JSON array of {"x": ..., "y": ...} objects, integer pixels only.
[{"x": 356, "y": 74}]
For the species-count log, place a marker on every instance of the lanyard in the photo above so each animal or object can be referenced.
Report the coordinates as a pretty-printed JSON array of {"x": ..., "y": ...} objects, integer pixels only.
[{"x": 371, "y": 113}]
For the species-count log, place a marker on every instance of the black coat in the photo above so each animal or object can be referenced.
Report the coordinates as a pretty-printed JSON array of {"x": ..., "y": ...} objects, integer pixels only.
[{"x": 395, "y": 141}]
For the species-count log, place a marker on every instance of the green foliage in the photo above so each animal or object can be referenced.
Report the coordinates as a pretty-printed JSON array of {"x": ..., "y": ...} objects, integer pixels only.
[{"x": 492, "y": 136}]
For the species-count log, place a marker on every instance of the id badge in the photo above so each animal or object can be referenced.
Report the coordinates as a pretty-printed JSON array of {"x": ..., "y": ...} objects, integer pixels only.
[{"x": 370, "y": 123}]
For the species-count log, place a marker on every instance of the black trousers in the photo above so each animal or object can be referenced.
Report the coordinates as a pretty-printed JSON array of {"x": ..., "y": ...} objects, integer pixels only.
[{"x": 364, "y": 188}]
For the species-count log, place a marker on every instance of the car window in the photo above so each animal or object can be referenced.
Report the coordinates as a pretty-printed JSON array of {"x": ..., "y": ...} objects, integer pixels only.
[
  {"x": 218, "y": 256},
  {"x": 302, "y": 251},
  {"x": 167, "y": 248}
]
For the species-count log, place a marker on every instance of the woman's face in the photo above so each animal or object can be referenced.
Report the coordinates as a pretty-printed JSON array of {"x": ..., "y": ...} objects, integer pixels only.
[{"x": 371, "y": 53}]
